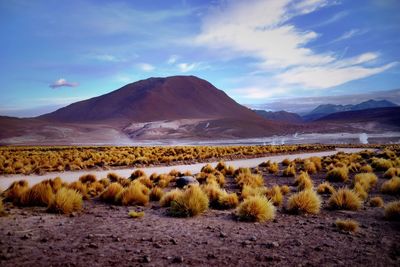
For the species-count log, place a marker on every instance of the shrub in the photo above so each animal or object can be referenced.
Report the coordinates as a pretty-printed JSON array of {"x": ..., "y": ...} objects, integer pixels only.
[
  {"x": 15, "y": 191},
  {"x": 286, "y": 162},
  {"x": 113, "y": 177},
  {"x": 391, "y": 186},
  {"x": 105, "y": 181},
  {"x": 66, "y": 201},
  {"x": 156, "y": 194},
  {"x": 275, "y": 195},
  {"x": 338, "y": 174},
  {"x": 2, "y": 211},
  {"x": 170, "y": 196},
  {"x": 310, "y": 167},
  {"x": 136, "y": 174},
  {"x": 228, "y": 201},
  {"x": 289, "y": 171},
  {"x": 317, "y": 162},
  {"x": 95, "y": 188},
  {"x": 376, "y": 202},
  {"x": 145, "y": 181},
  {"x": 164, "y": 180},
  {"x": 207, "y": 169},
  {"x": 135, "y": 194},
  {"x": 360, "y": 190},
  {"x": 285, "y": 189},
  {"x": 392, "y": 172},
  {"x": 249, "y": 179},
  {"x": 193, "y": 201},
  {"x": 40, "y": 194},
  {"x": 380, "y": 164},
  {"x": 111, "y": 192},
  {"x": 273, "y": 168},
  {"x": 248, "y": 191},
  {"x": 88, "y": 178},
  {"x": 325, "y": 188},
  {"x": 136, "y": 214},
  {"x": 306, "y": 201},
  {"x": 213, "y": 192},
  {"x": 256, "y": 208},
  {"x": 303, "y": 181},
  {"x": 345, "y": 199},
  {"x": 367, "y": 180},
  {"x": 392, "y": 210},
  {"x": 347, "y": 225},
  {"x": 366, "y": 168}
]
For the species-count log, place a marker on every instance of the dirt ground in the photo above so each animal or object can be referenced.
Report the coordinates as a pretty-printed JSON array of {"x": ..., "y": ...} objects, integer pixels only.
[{"x": 104, "y": 235}]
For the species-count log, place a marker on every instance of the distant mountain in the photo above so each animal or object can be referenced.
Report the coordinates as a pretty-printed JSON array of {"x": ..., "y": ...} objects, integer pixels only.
[
  {"x": 281, "y": 116},
  {"x": 323, "y": 110}
]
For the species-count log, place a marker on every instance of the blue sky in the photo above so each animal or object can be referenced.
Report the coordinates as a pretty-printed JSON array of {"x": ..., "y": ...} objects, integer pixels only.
[{"x": 57, "y": 52}]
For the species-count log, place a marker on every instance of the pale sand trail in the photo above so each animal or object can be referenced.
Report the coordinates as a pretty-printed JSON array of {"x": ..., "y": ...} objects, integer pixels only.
[{"x": 70, "y": 176}]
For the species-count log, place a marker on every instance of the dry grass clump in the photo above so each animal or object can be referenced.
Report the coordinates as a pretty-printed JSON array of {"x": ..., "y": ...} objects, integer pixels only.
[
  {"x": 164, "y": 180},
  {"x": 392, "y": 172},
  {"x": 361, "y": 191},
  {"x": 136, "y": 214},
  {"x": 380, "y": 164},
  {"x": 213, "y": 192},
  {"x": 113, "y": 177},
  {"x": 310, "y": 167},
  {"x": 286, "y": 162},
  {"x": 2, "y": 210},
  {"x": 80, "y": 187},
  {"x": 249, "y": 191},
  {"x": 134, "y": 194},
  {"x": 193, "y": 201},
  {"x": 170, "y": 196},
  {"x": 303, "y": 181},
  {"x": 376, "y": 202},
  {"x": 256, "y": 208},
  {"x": 391, "y": 186},
  {"x": 290, "y": 171},
  {"x": 88, "y": 178},
  {"x": 146, "y": 181},
  {"x": 306, "y": 201},
  {"x": 66, "y": 201},
  {"x": 338, "y": 174},
  {"x": 275, "y": 195},
  {"x": 111, "y": 192},
  {"x": 94, "y": 189},
  {"x": 285, "y": 189},
  {"x": 325, "y": 188},
  {"x": 366, "y": 168},
  {"x": 136, "y": 174},
  {"x": 40, "y": 194},
  {"x": 317, "y": 162},
  {"x": 105, "y": 182},
  {"x": 273, "y": 168},
  {"x": 367, "y": 180},
  {"x": 15, "y": 191},
  {"x": 347, "y": 225},
  {"x": 207, "y": 169},
  {"x": 245, "y": 177},
  {"x": 392, "y": 210},
  {"x": 228, "y": 201},
  {"x": 345, "y": 199},
  {"x": 156, "y": 193}
]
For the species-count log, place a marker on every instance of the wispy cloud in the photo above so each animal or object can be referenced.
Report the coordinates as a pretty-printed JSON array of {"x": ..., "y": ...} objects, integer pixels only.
[
  {"x": 172, "y": 59},
  {"x": 186, "y": 67},
  {"x": 63, "y": 83},
  {"x": 107, "y": 58},
  {"x": 145, "y": 67},
  {"x": 349, "y": 34}
]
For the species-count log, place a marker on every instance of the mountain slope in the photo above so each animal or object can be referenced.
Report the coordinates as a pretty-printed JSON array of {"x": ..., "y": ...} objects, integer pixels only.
[
  {"x": 154, "y": 99},
  {"x": 281, "y": 116}
]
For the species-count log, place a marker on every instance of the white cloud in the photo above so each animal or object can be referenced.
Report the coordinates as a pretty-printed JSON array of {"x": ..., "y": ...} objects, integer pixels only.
[
  {"x": 106, "y": 58},
  {"x": 263, "y": 30},
  {"x": 145, "y": 67},
  {"x": 172, "y": 59},
  {"x": 63, "y": 83},
  {"x": 349, "y": 34},
  {"x": 186, "y": 67},
  {"x": 257, "y": 92}
]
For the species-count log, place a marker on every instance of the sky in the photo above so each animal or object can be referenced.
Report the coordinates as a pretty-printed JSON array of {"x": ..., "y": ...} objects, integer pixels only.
[{"x": 54, "y": 53}]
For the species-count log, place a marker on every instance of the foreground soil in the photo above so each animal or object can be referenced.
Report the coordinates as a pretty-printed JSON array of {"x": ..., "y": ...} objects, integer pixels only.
[{"x": 104, "y": 235}]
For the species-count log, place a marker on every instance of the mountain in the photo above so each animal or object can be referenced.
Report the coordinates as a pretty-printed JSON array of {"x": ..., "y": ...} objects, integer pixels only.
[
  {"x": 177, "y": 107},
  {"x": 323, "y": 110},
  {"x": 281, "y": 116}
]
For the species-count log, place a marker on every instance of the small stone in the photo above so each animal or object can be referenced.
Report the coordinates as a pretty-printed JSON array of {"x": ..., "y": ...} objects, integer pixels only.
[
  {"x": 117, "y": 239},
  {"x": 318, "y": 249},
  {"x": 246, "y": 243},
  {"x": 89, "y": 236},
  {"x": 173, "y": 241},
  {"x": 146, "y": 259},
  {"x": 222, "y": 234},
  {"x": 178, "y": 259},
  {"x": 253, "y": 238},
  {"x": 271, "y": 244},
  {"x": 25, "y": 237},
  {"x": 44, "y": 240},
  {"x": 156, "y": 245},
  {"x": 93, "y": 245}
]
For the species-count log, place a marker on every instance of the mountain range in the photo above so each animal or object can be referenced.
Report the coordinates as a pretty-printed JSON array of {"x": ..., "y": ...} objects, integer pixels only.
[{"x": 181, "y": 108}]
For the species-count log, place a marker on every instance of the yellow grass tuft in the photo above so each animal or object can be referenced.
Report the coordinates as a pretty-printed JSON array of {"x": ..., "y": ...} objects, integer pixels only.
[
  {"x": 136, "y": 214},
  {"x": 248, "y": 191},
  {"x": 380, "y": 164},
  {"x": 306, "y": 201},
  {"x": 286, "y": 162},
  {"x": 347, "y": 225},
  {"x": 367, "y": 180},
  {"x": 392, "y": 210},
  {"x": 303, "y": 181},
  {"x": 111, "y": 192},
  {"x": 95, "y": 188},
  {"x": 80, "y": 187},
  {"x": 15, "y": 191},
  {"x": 40, "y": 194},
  {"x": 135, "y": 194},
  {"x": 325, "y": 188},
  {"x": 156, "y": 193},
  {"x": 285, "y": 189},
  {"x": 275, "y": 195},
  {"x": 66, "y": 201},
  {"x": 366, "y": 168},
  {"x": 345, "y": 199},
  {"x": 392, "y": 172},
  {"x": 391, "y": 186},
  {"x": 376, "y": 202},
  {"x": 170, "y": 196},
  {"x": 273, "y": 168},
  {"x": 338, "y": 174},
  {"x": 310, "y": 167},
  {"x": 213, "y": 192},
  {"x": 290, "y": 171},
  {"x": 113, "y": 177},
  {"x": 88, "y": 178},
  {"x": 256, "y": 208},
  {"x": 207, "y": 169},
  {"x": 136, "y": 174},
  {"x": 193, "y": 201},
  {"x": 245, "y": 177},
  {"x": 2, "y": 210},
  {"x": 361, "y": 191},
  {"x": 228, "y": 201}
]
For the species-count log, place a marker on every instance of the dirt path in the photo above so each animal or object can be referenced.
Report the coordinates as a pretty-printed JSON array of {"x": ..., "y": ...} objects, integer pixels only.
[{"x": 6, "y": 180}]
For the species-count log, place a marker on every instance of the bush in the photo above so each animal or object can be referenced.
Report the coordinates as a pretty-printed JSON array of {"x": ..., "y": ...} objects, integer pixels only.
[
  {"x": 286, "y": 162},
  {"x": 303, "y": 181},
  {"x": 376, "y": 202},
  {"x": 306, "y": 201},
  {"x": 228, "y": 201},
  {"x": 256, "y": 208},
  {"x": 2, "y": 211},
  {"x": 170, "y": 196},
  {"x": 366, "y": 168},
  {"x": 15, "y": 191},
  {"x": 113, "y": 177},
  {"x": 347, "y": 225},
  {"x": 193, "y": 201},
  {"x": 325, "y": 188},
  {"x": 285, "y": 189},
  {"x": 88, "y": 178},
  {"x": 135, "y": 194},
  {"x": 249, "y": 179},
  {"x": 345, "y": 199},
  {"x": 213, "y": 192},
  {"x": 290, "y": 171},
  {"x": 248, "y": 191},
  {"x": 273, "y": 168},
  {"x": 136, "y": 214},
  {"x": 95, "y": 188},
  {"x": 111, "y": 192},
  {"x": 367, "y": 180},
  {"x": 66, "y": 201},
  {"x": 338, "y": 174},
  {"x": 136, "y": 174},
  {"x": 392, "y": 172},
  {"x": 40, "y": 194},
  {"x": 80, "y": 187},
  {"x": 310, "y": 167},
  {"x": 156, "y": 194},
  {"x": 391, "y": 186},
  {"x": 275, "y": 195},
  {"x": 380, "y": 164},
  {"x": 360, "y": 190},
  {"x": 392, "y": 210},
  {"x": 207, "y": 169}
]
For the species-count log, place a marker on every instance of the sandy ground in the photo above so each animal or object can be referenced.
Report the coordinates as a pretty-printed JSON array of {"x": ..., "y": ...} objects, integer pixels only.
[
  {"x": 70, "y": 176},
  {"x": 104, "y": 235}
]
